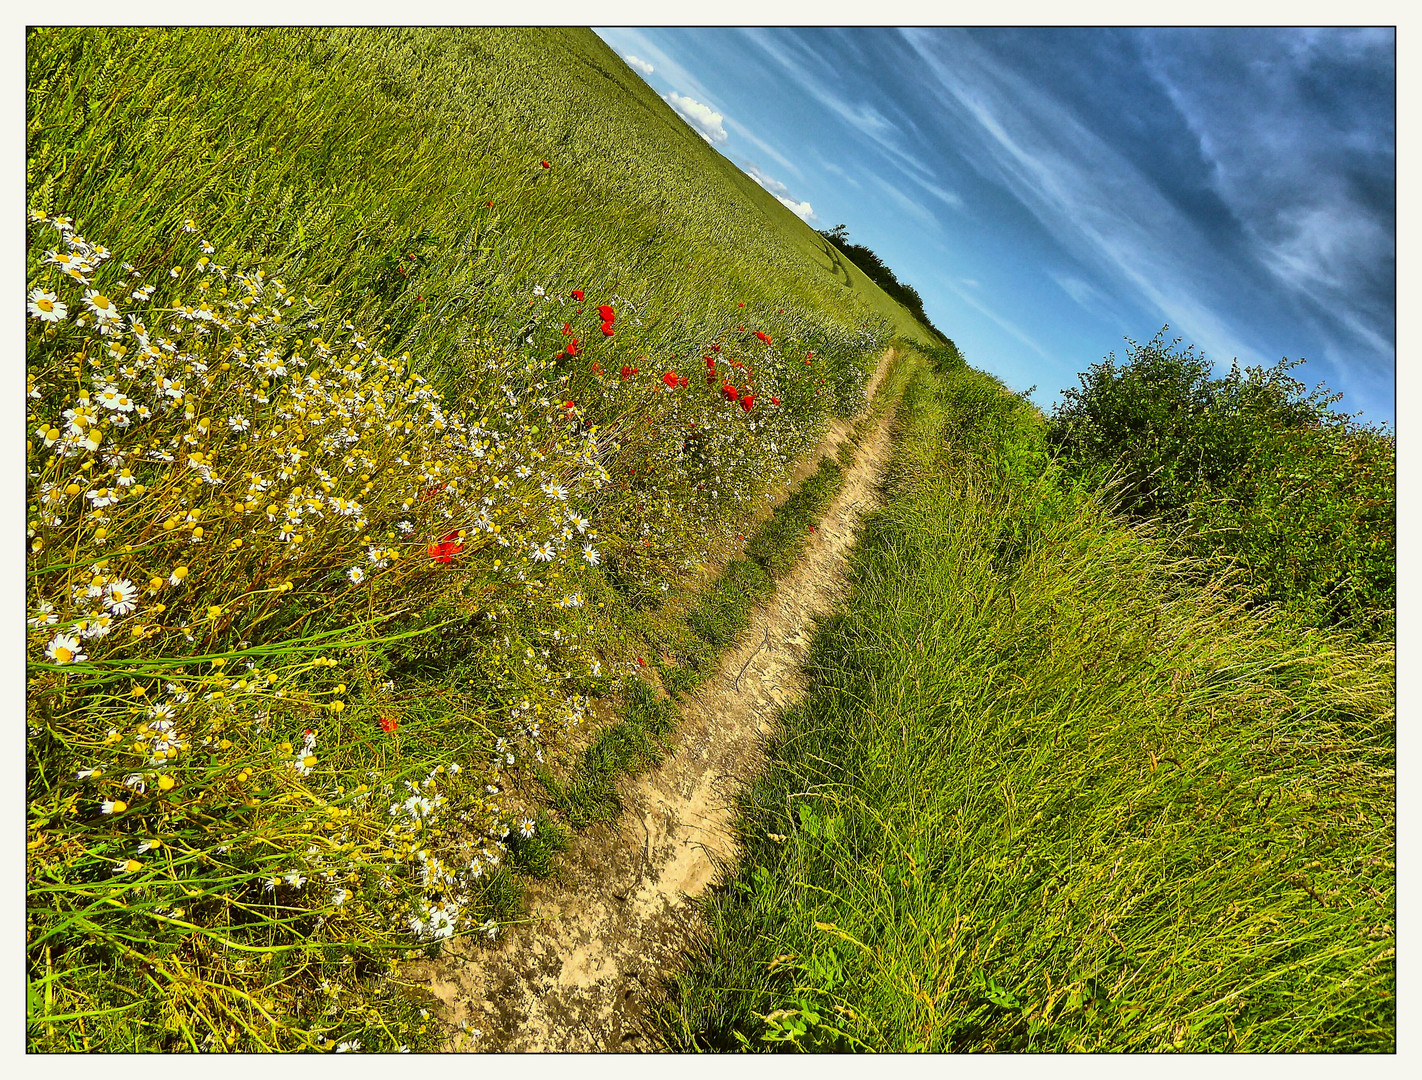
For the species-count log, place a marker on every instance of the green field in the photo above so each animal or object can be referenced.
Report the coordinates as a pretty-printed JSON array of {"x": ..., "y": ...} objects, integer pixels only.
[{"x": 391, "y": 392}]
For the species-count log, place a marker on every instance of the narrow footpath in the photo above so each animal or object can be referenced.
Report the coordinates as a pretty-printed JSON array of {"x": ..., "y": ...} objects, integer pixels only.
[{"x": 602, "y": 936}]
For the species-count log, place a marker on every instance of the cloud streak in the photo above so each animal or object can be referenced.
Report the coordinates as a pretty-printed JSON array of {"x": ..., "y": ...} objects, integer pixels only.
[
  {"x": 639, "y": 65},
  {"x": 706, "y": 120},
  {"x": 1086, "y": 194}
]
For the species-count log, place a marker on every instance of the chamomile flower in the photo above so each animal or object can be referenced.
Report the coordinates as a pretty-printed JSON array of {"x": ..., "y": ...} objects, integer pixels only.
[
  {"x": 121, "y": 597},
  {"x": 356, "y": 574},
  {"x": 65, "y": 649},
  {"x": 542, "y": 552},
  {"x": 590, "y": 553},
  {"x": 46, "y": 306},
  {"x": 44, "y": 615},
  {"x": 102, "y": 307}
]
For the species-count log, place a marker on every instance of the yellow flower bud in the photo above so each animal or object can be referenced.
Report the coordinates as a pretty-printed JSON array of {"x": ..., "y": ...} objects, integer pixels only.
[{"x": 166, "y": 783}]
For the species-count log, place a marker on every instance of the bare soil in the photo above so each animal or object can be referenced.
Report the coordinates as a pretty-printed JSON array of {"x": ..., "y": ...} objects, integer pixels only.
[{"x": 602, "y": 936}]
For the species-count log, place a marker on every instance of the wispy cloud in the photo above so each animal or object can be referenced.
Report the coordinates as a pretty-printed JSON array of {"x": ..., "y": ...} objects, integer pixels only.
[
  {"x": 1081, "y": 190},
  {"x": 743, "y": 132},
  {"x": 637, "y": 64},
  {"x": 912, "y": 207},
  {"x": 801, "y": 209},
  {"x": 706, "y": 120},
  {"x": 861, "y": 116},
  {"x": 1000, "y": 321}
]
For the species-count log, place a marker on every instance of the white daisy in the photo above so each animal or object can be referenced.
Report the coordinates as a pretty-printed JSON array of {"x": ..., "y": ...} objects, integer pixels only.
[
  {"x": 591, "y": 554},
  {"x": 46, "y": 306},
  {"x": 121, "y": 597},
  {"x": 65, "y": 649}
]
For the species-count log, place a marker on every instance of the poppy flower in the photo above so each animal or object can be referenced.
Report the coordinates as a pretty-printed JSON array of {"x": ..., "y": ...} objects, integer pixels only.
[
  {"x": 606, "y": 314},
  {"x": 715, "y": 348},
  {"x": 683, "y": 381},
  {"x": 730, "y": 391},
  {"x": 626, "y": 371},
  {"x": 567, "y": 330},
  {"x": 578, "y": 295},
  {"x": 741, "y": 304},
  {"x": 670, "y": 378},
  {"x": 807, "y": 361},
  {"x": 388, "y": 724},
  {"x": 490, "y": 205},
  {"x": 775, "y": 401},
  {"x": 545, "y": 165},
  {"x": 782, "y": 311},
  {"x": 572, "y": 349},
  {"x": 634, "y": 371},
  {"x": 710, "y": 363},
  {"x": 641, "y": 662},
  {"x": 569, "y": 406},
  {"x": 763, "y": 336},
  {"x": 449, "y": 546},
  {"x": 607, "y": 328},
  {"x": 748, "y": 402}
]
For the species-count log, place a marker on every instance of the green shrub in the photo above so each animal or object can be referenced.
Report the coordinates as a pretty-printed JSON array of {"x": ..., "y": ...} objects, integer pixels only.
[{"x": 1254, "y": 469}]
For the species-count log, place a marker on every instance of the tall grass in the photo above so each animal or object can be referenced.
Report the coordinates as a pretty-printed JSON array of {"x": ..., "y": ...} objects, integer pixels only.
[
  {"x": 330, "y": 523},
  {"x": 1045, "y": 795}
]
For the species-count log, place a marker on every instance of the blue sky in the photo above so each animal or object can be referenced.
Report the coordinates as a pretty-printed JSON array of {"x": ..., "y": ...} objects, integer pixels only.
[{"x": 1051, "y": 192}]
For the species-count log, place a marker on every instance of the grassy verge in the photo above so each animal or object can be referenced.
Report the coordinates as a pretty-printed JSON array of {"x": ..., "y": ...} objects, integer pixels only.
[
  {"x": 1045, "y": 795},
  {"x": 685, "y": 641}
]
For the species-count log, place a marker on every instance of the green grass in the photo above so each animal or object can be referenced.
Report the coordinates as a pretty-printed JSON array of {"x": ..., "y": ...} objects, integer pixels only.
[
  {"x": 1045, "y": 795},
  {"x": 396, "y": 178}
]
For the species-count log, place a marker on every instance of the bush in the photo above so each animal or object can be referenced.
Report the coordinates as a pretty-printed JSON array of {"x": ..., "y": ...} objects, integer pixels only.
[{"x": 1254, "y": 468}]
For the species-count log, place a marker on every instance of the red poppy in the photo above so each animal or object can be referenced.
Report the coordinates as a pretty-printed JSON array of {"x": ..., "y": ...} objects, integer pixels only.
[
  {"x": 567, "y": 330},
  {"x": 715, "y": 348},
  {"x": 449, "y": 546},
  {"x": 421, "y": 298},
  {"x": 683, "y": 381},
  {"x": 545, "y": 165},
  {"x": 782, "y": 311},
  {"x": 741, "y": 304},
  {"x": 748, "y": 402},
  {"x": 670, "y": 378},
  {"x": 578, "y": 295},
  {"x": 572, "y": 349},
  {"x": 489, "y": 204},
  {"x": 626, "y": 371},
  {"x": 607, "y": 328},
  {"x": 412, "y": 256},
  {"x": 763, "y": 336},
  {"x": 597, "y": 369},
  {"x": 710, "y": 363},
  {"x": 606, "y": 314},
  {"x": 388, "y": 724},
  {"x": 641, "y": 662},
  {"x": 807, "y": 361},
  {"x": 569, "y": 406},
  {"x": 730, "y": 391},
  {"x": 775, "y": 401}
]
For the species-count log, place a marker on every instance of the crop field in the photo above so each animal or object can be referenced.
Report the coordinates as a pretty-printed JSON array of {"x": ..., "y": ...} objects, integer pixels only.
[{"x": 413, "y": 414}]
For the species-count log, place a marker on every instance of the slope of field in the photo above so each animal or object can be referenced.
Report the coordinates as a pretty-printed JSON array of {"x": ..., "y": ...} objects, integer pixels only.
[
  {"x": 1045, "y": 795},
  {"x": 382, "y": 383}
]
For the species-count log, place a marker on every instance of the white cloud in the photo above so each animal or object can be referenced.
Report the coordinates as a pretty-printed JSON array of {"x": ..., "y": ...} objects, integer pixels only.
[
  {"x": 706, "y": 120},
  {"x": 802, "y": 210},
  {"x": 772, "y": 185},
  {"x": 639, "y": 65}
]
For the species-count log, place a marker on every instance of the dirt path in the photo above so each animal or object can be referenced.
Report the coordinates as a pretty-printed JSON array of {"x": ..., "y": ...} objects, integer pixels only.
[{"x": 601, "y": 937}]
